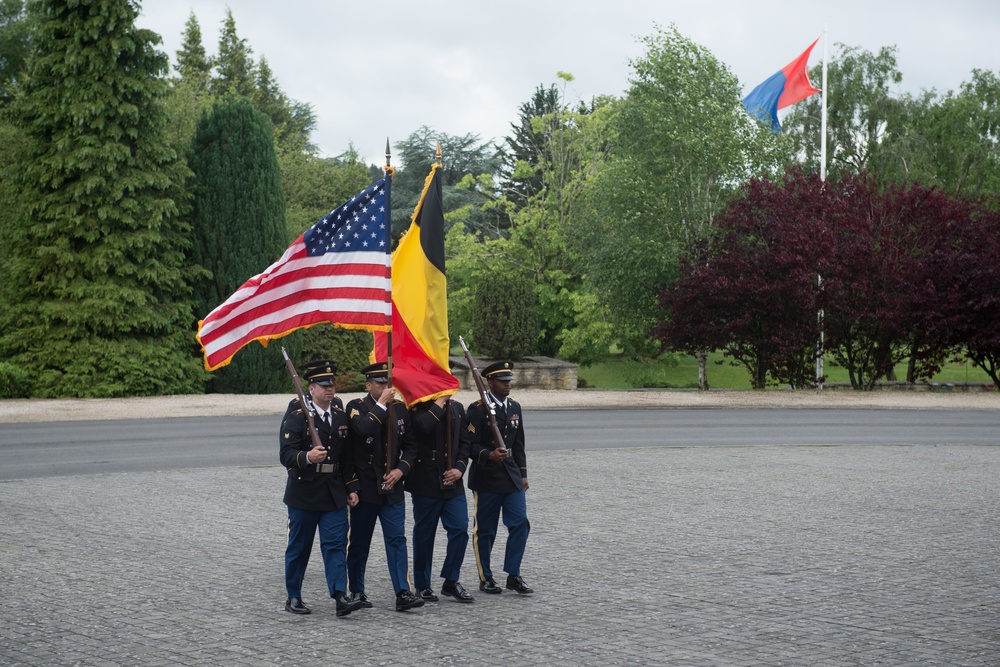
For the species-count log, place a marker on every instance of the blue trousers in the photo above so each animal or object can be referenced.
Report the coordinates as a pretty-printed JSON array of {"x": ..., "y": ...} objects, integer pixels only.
[
  {"x": 454, "y": 516},
  {"x": 484, "y": 530},
  {"x": 302, "y": 525},
  {"x": 392, "y": 518}
]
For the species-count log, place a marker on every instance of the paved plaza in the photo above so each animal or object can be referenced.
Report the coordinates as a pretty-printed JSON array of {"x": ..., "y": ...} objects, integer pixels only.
[{"x": 846, "y": 555}]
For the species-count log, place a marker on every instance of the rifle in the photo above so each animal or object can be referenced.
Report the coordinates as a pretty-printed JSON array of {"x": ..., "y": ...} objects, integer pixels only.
[
  {"x": 383, "y": 488},
  {"x": 302, "y": 399},
  {"x": 491, "y": 411}
]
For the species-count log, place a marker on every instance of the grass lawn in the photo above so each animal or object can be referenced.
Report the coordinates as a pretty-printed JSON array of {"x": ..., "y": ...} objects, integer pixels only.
[{"x": 619, "y": 373}]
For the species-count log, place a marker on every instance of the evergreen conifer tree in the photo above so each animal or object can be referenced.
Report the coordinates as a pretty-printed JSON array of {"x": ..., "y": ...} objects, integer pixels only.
[
  {"x": 193, "y": 65},
  {"x": 235, "y": 69},
  {"x": 239, "y": 228},
  {"x": 98, "y": 301},
  {"x": 505, "y": 322}
]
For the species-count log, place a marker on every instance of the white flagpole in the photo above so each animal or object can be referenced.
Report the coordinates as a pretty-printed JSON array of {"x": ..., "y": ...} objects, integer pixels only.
[{"x": 822, "y": 177}]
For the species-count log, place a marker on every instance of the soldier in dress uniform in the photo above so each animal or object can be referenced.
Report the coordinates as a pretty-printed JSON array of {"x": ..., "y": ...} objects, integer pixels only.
[
  {"x": 437, "y": 493},
  {"x": 319, "y": 489},
  {"x": 498, "y": 479},
  {"x": 381, "y": 490}
]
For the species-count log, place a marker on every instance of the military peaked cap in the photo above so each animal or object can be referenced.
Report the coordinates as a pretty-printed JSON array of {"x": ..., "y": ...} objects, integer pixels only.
[
  {"x": 322, "y": 371},
  {"x": 377, "y": 372},
  {"x": 499, "y": 370}
]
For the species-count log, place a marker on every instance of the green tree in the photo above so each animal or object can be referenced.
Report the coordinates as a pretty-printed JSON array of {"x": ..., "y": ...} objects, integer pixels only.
[
  {"x": 462, "y": 156},
  {"x": 866, "y": 124},
  {"x": 235, "y": 72},
  {"x": 96, "y": 293},
  {"x": 963, "y": 136},
  {"x": 505, "y": 323},
  {"x": 15, "y": 33},
  {"x": 524, "y": 148},
  {"x": 682, "y": 143},
  {"x": 293, "y": 122},
  {"x": 239, "y": 228},
  {"x": 536, "y": 239},
  {"x": 193, "y": 64}
]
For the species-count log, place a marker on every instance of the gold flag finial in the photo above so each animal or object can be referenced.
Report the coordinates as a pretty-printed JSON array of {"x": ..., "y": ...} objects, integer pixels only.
[{"x": 437, "y": 153}]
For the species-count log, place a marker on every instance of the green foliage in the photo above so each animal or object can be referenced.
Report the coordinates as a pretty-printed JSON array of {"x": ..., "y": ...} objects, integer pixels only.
[
  {"x": 505, "y": 322},
  {"x": 961, "y": 133},
  {"x": 314, "y": 186},
  {"x": 865, "y": 122},
  {"x": 238, "y": 228},
  {"x": 682, "y": 143},
  {"x": 15, "y": 382},
  {"x": 461, "y": 156},
  {"x": 292, "y": 121},
  {"x": 234, "y": 66},
  {"x": 96, "y": 289},
  {"x": 592, "y": 333},
  {"x": 193, "y": 65},
  {"x": 15, "y": 31},
  {"x": 525, "y": 147}
]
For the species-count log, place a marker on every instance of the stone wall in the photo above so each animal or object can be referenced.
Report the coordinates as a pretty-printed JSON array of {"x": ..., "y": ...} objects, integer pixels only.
[
  {"x": 529, "y": 373},
  {"x": 918, "y": 386}
]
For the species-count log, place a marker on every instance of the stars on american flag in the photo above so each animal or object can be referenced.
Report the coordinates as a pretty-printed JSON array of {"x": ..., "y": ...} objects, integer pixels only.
[{"x": 359, "y": 225}]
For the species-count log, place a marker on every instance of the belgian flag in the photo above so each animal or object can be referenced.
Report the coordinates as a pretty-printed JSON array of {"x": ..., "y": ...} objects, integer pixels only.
[{"x": 420, "y": 342}]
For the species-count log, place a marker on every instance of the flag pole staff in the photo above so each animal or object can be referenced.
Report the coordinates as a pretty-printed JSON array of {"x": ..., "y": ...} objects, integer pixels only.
[
  {"x": 390, "y": 426},
  {"x": 821, "y": 343},
  {"x": 388, "y": 335},
  {"x": 448, "y": 458}
]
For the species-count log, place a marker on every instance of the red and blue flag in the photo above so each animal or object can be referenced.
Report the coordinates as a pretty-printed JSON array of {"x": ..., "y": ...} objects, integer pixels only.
[{"x": 787, "y": 86}]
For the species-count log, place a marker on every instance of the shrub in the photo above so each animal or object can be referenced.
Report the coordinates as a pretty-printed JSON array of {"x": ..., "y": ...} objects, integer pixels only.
[
  {"x": 15, "y": 382},
  {"x": 505, "y": 321}
]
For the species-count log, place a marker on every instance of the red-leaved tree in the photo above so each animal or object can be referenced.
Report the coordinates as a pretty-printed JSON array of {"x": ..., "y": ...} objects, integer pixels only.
[
  {"x": 871, "y": 319},
  {"x": 755, "y": 297},
  {"x": 960, "y": 303}
]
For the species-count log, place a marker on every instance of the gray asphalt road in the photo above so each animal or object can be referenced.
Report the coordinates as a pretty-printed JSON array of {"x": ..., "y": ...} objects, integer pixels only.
[{"x": 86, "y": 447}]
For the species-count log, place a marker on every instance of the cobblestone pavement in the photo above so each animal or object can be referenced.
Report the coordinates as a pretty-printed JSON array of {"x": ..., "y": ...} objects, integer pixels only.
[{"x": 682, "y": 556}]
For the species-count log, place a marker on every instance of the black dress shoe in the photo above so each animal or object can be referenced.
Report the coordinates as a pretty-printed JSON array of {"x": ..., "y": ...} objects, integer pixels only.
[
  {"x": 427, "y": 595},
  {"x": 516, "y": 583},
  {"x": 490, "y": 586},
  {"x": 457, "y": 591},
  {"x": 407, "y": 600},
  {"x": 365, "y": 602},
  {"x": 346, "y": 605},
  {"x": 295, "y": 606}
]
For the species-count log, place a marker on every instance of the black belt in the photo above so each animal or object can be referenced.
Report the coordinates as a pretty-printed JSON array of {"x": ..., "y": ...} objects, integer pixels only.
[{"x": 327, "y": 467}]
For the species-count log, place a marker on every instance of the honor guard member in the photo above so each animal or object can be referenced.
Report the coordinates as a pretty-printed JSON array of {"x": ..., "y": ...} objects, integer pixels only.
[
  {"x": 319, "y": 489},
  {"x": 498, "y": 479},
  {"x": 437, "y": 493},
  {"x": 373, "y": 418}
]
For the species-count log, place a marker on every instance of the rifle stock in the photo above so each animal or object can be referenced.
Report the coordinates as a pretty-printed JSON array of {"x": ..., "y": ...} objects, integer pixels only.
[
  {"x": 313, "y": 433},
  {"x": 383, "y": 487},
  {"x": 491, "y": 411}
]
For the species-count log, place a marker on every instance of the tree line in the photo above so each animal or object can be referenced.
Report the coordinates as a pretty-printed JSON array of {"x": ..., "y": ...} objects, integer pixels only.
[{"x": 136, "y": 198}]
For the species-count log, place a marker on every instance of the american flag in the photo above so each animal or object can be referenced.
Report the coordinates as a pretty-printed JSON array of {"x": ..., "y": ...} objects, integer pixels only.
[{"x": 338, "y": 271}]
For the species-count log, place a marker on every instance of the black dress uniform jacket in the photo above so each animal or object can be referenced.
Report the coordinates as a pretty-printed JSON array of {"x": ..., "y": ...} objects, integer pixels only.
[
  {"x": 485, "y": 475},
  {"x": 306, "y": 487},
  {"x": 429, "y": 427},
  {"x": 369, "y": 424}
]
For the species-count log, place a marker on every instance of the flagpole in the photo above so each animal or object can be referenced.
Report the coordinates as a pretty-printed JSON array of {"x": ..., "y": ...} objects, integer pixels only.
[
  {"x": 820, "y": 346},
  {"x": 388, "y": 334}
]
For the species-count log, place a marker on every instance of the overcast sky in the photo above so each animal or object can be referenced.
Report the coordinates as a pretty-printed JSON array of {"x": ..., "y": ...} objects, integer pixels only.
[{"x": 373, "y": 70}]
